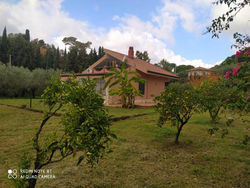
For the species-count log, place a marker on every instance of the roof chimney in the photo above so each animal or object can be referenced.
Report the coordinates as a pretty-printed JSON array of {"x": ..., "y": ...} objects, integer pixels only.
[{"x": 131, "y": 52}]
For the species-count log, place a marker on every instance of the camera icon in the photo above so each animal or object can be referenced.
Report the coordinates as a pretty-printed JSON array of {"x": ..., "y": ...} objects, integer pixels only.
[{"x": 12, "y": 174}]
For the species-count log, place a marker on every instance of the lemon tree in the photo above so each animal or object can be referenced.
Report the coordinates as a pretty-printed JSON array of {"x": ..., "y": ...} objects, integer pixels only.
[{"x": 177, "y": 104}]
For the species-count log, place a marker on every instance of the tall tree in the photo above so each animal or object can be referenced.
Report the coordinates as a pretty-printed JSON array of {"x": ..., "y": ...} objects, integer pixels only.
[
  {"x": 4, "y": 47},
  {"x": 100, "y": 52},
  {"x": 76, "y": 49},
  {"x": 166, "y": 65},
  {"x": 181, "y": 71},
  {"x": 95, "y": 56},
  {"x": 57, "y": 60},
  {"x": 143, "y": 56},
  {"x": 182, "y": 68},
  {"x": 27, "y": 35},
  {"x": 64, "y": 60}
]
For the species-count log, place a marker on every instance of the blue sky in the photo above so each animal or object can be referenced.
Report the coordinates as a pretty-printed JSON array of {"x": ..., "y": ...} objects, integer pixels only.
[
  {"x": 191, "y": 46},
  {"x": 170, "y": 29}
]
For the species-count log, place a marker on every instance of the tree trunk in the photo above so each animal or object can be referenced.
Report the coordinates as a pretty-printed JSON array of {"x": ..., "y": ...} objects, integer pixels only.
[
  {"x": 30, "y": 101},
  {"x": 31, "y": 96},
  {"x": 32, "y": 181},
  {"x": 178, "y": 134}
]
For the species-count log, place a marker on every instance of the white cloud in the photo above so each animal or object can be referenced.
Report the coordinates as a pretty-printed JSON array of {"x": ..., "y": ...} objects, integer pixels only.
[
  {"x": 241, "y": 22},
  {"x": 46, "y": 20}
]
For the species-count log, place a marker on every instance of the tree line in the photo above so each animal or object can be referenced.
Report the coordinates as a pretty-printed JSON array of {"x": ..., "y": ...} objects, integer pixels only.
[
  {"x": 22, "y": 82},
  {"x": 20, "y": 50}
]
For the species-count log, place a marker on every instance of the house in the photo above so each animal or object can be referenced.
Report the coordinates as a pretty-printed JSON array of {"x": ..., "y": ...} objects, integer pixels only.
[
  {"x": 198, "y": 74},
  {"x": 156, "y": 78}
]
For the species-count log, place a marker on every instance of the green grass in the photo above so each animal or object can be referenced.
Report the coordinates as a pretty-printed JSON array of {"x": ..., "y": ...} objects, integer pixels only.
[
  {"x": 143, "y": 155},
  {"x": 38, "y": 105}
]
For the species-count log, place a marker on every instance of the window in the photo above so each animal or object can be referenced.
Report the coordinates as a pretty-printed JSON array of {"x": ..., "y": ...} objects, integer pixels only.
[
  {"x": 99, "y": 87},
  {"x": 80, "y": 80},
  {"x": 166, "y": 84},
  {"x": 142, "y": 88},
  {"x": 204, "y": 73}
]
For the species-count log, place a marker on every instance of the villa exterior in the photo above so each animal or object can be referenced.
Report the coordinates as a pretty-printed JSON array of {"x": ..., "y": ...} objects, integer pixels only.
[
  {"x": 197, "y": 75},
  {"x": 156, "y": 78}
]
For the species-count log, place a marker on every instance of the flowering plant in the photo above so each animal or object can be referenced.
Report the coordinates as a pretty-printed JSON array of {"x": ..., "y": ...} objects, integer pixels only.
[{"x": 238, "y": 80}]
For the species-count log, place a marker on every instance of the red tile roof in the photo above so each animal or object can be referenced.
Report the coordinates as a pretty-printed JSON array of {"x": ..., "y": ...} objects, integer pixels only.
[
  {"x": 141, "y": 65},
  {"x": 199, "y": 69}
]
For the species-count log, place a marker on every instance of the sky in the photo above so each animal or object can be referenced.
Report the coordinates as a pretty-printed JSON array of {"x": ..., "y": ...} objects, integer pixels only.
[{"x": 169, "y": 29}]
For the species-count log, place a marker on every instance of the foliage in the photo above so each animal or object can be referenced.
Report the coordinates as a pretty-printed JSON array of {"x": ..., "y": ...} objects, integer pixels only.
[
  {"x": 24, "y": 164},
  {"x": 32, "y": 54},
  {"x": 20, "y": 81},
  {"x": 85, "y": 120},
  {"x": 222, "y": 69},
  {"x": 238, "y": 81},
  {"x": 166, "y": 65},
  {"x": 77, "y": 59},
  {"x": 177, "y": 104},
  {"x": 143, "y": 56},
  {"x": 223, "y": 22},
  {"x": 125, "y": 80},
  {"x": 181, "y": 71},
  {"x": 182, "y": 68},
  {"x": 213, "y": 97},
  {"x": 4, "y": 47}
]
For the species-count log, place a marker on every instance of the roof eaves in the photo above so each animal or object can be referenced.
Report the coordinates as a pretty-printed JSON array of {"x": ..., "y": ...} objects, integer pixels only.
[{"x": 152, "y": 72}]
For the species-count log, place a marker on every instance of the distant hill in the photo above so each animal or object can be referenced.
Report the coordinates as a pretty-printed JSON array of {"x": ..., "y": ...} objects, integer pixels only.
[{"x": 229, "y": 63}]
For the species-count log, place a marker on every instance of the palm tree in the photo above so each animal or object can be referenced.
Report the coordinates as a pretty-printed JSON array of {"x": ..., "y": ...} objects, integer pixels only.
[{"x": 126, "y": 89}]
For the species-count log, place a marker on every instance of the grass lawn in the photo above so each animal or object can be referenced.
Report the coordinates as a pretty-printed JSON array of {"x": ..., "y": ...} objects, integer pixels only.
[
  {"x": 143, "y": 155},
  {"x": 38, "y": 104}
]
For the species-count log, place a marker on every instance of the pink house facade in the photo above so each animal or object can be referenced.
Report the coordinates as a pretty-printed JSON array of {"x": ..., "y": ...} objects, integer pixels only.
[{"x": 156, "y": 78}]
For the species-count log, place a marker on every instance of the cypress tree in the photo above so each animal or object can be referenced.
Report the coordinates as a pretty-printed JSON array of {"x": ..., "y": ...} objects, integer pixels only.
[
  {"x": 99, "y": 52},
  {"x": 4, "y": 47},
  {"x": 57, "y": 62},
  {"x": 95, "y": 57},
  {"x": 64, "y": 60},
  {"x": 27, "y": 35}
]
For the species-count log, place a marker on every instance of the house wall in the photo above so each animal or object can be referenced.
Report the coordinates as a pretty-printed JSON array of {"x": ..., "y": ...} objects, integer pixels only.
[
  {"x": 196, "y": 80},
  {"x": 154, "y": 85}
]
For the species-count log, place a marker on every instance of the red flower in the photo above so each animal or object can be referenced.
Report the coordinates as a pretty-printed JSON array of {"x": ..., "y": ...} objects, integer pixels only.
[
  {"x": 238, "y": 53},
  {"x": 247, "y": 53},
  {"x": 235, "y": 70},
  {"x": 227, "y": 75},
  {"x": 241, "y": 64}
]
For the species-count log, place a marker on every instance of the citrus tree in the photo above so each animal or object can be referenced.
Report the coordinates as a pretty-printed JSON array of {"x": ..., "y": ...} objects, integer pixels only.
[
  {"x": 176, "y": 104},
  {"x": 85, "y": 126},
  {"x": 213, "y": 97},
  {"x": 124, "y": 79}
]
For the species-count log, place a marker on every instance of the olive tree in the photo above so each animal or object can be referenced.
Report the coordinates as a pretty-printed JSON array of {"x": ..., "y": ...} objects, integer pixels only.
[
  {"x": 176, "y": 104},
  {"x": 85, "y": 121}
]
